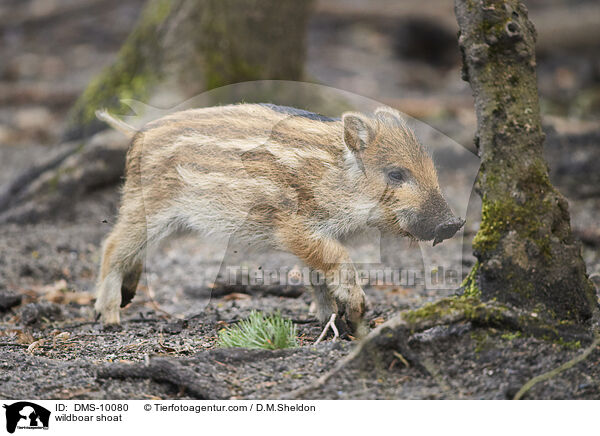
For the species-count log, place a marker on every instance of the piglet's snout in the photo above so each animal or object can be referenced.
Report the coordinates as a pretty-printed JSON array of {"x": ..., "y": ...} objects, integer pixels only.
[{"x": 447, "y": 230}]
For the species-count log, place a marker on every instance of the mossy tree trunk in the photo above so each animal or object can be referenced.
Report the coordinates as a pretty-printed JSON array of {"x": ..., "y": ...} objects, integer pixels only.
[
  {"x": 200, "y": 44},
  {"x": 526, "y": 253},
  {"x": 134, "y": 74}
]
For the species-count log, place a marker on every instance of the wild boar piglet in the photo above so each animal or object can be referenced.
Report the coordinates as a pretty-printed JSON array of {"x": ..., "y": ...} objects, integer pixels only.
[{"x": 274, "y": 176}]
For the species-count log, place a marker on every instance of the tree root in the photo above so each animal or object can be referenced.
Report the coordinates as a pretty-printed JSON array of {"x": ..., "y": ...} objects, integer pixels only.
[
  {"x": 51, "y": 188},
  {"x": 550, "y": 374},
  {"x": 394, "y": 334},
  {"x": 167, "y": 371}
]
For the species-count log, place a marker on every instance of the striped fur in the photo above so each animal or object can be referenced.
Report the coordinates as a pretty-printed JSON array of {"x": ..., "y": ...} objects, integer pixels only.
[{"x": 275, "y": 176}]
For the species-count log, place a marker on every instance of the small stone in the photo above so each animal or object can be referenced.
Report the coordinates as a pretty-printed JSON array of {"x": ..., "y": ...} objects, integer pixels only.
[
  {"x": 36, "y": 118},
  {"x": 175, "y": 327},
  {"x": 9, "y": 300},
  {"x": 34, "y": 313}
]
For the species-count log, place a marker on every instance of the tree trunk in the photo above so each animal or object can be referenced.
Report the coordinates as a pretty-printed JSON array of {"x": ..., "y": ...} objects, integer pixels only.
[
  {"x": 200, "y": 45},
  {"x": 134, "y": 74},
  {"x": 527, "y": 255}
]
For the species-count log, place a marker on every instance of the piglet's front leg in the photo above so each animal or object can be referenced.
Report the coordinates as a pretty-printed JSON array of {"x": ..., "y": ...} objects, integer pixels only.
[
  {"x": 342, "y": 282},
  {"x": 340, "y": 293}
]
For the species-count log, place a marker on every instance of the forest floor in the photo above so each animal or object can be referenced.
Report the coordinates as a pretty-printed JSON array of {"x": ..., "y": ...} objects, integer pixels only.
[{"x": 51, "y": 347}]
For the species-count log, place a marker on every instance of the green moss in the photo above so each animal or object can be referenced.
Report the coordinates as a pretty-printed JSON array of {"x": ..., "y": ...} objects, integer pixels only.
[
  {"x": 434, "y": 310},
  {"x": 500, "y": 216},
  {"x": 52, "y": 184},
  {"x": 557, "y": 339},
  {"x": 226, "y": 57},
  {"x": 482, "y": 340},
  {"x": 509, "y": 336},
  {"x": 219, "y": 72},
  {"x": 133, "y": 75},
  {"x": 571, "y": 345},
  {"x": 469, "y": 284},
  {"x": 526, "y": 290},
  {"x": 530, "y": 324},
  {"x": 293, "y": 375},
  {"x": 472, "y": 307}
]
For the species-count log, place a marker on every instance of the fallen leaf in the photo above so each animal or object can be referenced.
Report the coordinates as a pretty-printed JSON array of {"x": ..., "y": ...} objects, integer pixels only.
[
  {"x": 62, "y": 336},
  {"x": 378, "y": 321},
  {"x": 66, "y": 272},
  {"x": 46, "y": 289},
  {"x": 236, "y": 296},
  {"x": 34, "y": 345},
  {"x": 167, "y": 348},
  {"x": 267, "y": 384},
  {"x": 221, "y": 325},
  {"x": 59, "y": 293},
  {"x": 24, "y": 337},
  {"x": 405, "y": 292}
]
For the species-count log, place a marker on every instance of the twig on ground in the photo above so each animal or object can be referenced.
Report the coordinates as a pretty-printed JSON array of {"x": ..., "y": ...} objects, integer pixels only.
[
  {"x": 402, "y": 359},
  {"x": 550, "y": 374},
  {"x": 157, "y": 307},
  {"x": 330, "y": 325}
]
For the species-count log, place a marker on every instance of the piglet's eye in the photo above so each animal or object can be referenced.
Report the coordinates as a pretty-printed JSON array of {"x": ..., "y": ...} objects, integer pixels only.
[{"x": 397, "y": 176}]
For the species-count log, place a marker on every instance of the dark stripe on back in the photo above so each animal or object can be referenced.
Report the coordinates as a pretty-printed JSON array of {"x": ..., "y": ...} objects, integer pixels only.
[{"x": 288, "y": 110}]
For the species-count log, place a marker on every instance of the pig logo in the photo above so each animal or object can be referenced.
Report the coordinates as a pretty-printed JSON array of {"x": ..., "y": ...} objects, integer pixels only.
[{"x": 26, "y": 415}]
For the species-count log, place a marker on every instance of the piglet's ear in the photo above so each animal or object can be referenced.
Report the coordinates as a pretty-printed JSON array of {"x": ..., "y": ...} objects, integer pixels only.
[
  {"x": 389, "y": 116},
  {"x": 358, "y": 131}
]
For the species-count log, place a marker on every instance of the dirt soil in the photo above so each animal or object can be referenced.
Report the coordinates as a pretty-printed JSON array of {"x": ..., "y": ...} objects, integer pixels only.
[{"x": 51, "y": 347}]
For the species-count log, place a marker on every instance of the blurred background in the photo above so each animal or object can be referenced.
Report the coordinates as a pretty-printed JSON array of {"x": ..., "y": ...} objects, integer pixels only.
[{"x": 402, "y": 53}]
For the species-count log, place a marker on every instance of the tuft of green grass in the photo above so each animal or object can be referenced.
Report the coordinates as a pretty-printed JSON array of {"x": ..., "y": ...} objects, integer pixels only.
[{"x": 268, "y": 332}]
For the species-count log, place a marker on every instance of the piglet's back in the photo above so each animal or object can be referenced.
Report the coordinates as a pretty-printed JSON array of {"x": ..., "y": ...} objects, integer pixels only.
[
  {"x": 233, "y": 159},
  {"x": 211, "y": 137}
]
